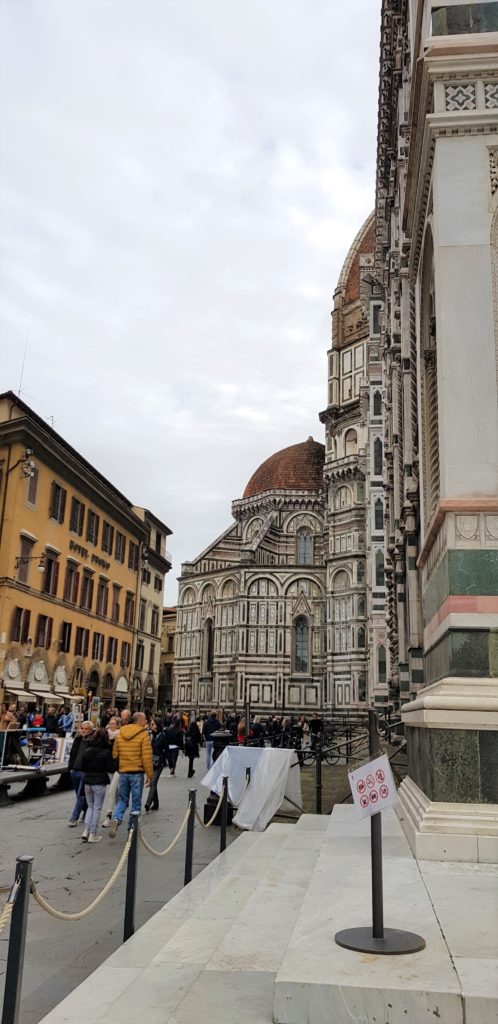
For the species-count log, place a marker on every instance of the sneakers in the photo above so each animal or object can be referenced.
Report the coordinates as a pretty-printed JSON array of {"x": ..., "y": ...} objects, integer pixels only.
[
  {"x": 107, "y": 821},
  {"x": 96, "y": 839},
  {"x": 84, "y": 835},
  {"x": 72, "y": 823},
  {"x": 113, "y": 828}
]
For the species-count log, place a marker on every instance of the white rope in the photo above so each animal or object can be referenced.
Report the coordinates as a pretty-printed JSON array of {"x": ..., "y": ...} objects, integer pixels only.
[
  {"x": 60, "y": 914},
  {"x": 5, "y": 915},
  {"x": 162, "y": 853},
  {"x": 248, "y": 779},
  {"x": 208, "y": 824}
]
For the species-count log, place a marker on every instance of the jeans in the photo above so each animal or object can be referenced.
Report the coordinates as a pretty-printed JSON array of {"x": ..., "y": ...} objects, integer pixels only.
[
  {"x": 112, "y": 795},
  {"x": 209, "y": 753},
  {"x": 94, "y": 798},
  {"x": 81, "y": 805},
  {"x": 152, "y": 799},
  {"x": 129, "y": 782},
  {"x": 172, "y": 758}
]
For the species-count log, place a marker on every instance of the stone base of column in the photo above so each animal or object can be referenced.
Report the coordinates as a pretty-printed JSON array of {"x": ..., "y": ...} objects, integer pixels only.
[{"x": 447, "y": 831}]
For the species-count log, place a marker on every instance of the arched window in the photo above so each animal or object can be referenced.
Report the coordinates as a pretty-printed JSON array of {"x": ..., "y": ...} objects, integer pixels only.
[
  {"x": 301, "y": 645},
  {"x": 207, "y": 646},
  {"x": 361, "y": 605},
  {"x": 360, "y": 572},
  {"x": 378, "y": 457},
  {"x": 304, "y": 548},
  {"x": 362, "y": 687},
  {"x": 379, "y": 514},
  {"x": 340, "y": 580},
  {"x": 377, "y": 403},
  {"x": 343, "y": 498},
  {"x": 350, "y": 442},
  {"x": 379, "y": 569},
  {"x": 381, "y": 664},
  {"x": 361, "y": 636}
]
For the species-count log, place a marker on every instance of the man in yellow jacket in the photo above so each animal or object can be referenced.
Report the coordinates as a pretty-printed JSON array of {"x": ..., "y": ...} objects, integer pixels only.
[{"x": 133, "y": 752}]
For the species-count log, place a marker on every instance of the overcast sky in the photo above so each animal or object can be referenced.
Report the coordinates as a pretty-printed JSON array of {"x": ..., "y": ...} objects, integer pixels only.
[{"x": 180, "y": 181}]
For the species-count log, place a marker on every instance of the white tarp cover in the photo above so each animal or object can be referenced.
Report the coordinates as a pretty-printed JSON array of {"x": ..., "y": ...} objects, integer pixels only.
[{"x": 272, "y": 780}]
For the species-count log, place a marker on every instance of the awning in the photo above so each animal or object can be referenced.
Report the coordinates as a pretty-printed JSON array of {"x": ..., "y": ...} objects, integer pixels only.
[
  {"x": 17, "y": 691},
  {"x": 48, "y": 696},
  {"x": 122, "y": 685}
]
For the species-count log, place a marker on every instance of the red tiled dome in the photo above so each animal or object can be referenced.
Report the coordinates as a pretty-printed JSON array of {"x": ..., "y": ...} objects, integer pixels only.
[{"x": 297, "y": 468}]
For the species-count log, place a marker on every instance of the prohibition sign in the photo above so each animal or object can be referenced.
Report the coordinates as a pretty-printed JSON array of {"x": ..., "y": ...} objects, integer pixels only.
[
  {"x": 384, "y": 792},
  {"x": 374, "y": 796},
  {"x": 360, "y": 785},
  {"x": 370, "y": 781},
  {"x": 379, "y": 775}
]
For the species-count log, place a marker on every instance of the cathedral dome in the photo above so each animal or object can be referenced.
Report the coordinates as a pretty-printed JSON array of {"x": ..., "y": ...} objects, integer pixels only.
[
  {"x": 363, "y": 245},
  {"x": 297, "y": 468}
]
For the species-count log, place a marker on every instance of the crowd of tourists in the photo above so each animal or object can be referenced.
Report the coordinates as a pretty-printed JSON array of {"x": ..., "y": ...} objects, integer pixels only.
[{"x": 112, "y": 761}]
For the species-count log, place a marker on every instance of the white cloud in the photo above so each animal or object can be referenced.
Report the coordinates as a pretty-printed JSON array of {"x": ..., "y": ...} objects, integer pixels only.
[{"x": 179, "y": 186}]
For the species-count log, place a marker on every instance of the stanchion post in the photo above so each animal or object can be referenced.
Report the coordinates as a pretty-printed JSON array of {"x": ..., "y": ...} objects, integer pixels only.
[
  {"x": 189, "y": 848},
  {"x": 131, "y": 882},
  {"x": 318, "y": 779},
  {"x": 224, "y": 815},
  {"x": 376, "y": 843},
  {"x": 17, "y": 940}
]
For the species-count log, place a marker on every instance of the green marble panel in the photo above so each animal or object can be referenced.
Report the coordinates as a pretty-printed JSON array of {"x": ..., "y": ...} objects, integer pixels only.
[
  {"x": 461, "y": 572},
  {"x": 463, "y": 652},
  {"x": 454, "y": 765}
]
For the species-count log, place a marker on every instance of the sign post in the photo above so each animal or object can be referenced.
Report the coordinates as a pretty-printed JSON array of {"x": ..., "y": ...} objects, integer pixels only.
[{"x": 373, "y": 791}]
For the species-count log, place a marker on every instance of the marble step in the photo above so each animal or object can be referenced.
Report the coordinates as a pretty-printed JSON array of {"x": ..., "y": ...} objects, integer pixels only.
[
  {"x": 319, "y": 982},
  {"x": 223, "y": 935}
]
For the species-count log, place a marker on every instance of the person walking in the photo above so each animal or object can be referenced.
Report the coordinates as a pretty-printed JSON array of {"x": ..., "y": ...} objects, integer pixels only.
[
  {"x": 174, "y": 743},
  {"x": 75, "y": 765},
  {"x": 66, "y": 722},
  {"x": 133, "y": 752},
  {"x": 97, "y": 762},
  {"x": 211, "y": 725},
  {"x": 158, "y": 741},
  {"x": 112, "y": 729},
  {"x": 193, "y": 742}
]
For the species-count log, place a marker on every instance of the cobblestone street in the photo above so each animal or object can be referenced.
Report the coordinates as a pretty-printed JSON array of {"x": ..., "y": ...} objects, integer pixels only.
[{"x": 69, "y": 873}]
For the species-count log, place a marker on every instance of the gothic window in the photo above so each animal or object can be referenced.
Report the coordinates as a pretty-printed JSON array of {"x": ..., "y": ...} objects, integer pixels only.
[
  {"x": 343, "y": 498},
  {"x": 350, "y": 442},
  {"x": 304, "y": 548},
  {"x": 362, "y": 687},
  {"x": 381, "y": 664},
  {"x": 207, "y": 646},
  {"x": 375, "y": 310},
  {"x": 379, "y": 569},
  {"x": 341, "y": 580},
  {"x": 361, "y": 605},
  {"x": 352, "y": 362},
  {"x": 377, "y": 457},
  {"x": 301, "y": 645},
  {"x": 377, "y": 404},
  {"x": 360, "y": 572},
  {"x": 379, "y": 514},
  {"x": 361, "y": 636}
]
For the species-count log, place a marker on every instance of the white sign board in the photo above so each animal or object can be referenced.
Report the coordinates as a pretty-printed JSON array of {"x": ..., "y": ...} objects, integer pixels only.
[{"x": 373, "y": 787}]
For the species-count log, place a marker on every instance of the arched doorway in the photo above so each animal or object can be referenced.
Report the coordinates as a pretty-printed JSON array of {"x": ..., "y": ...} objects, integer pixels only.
[{"x": 121, "y": 693}]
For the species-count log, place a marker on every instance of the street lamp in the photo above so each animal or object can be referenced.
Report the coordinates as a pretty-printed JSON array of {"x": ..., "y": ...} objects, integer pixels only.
[{"x": 24, "y": 559}]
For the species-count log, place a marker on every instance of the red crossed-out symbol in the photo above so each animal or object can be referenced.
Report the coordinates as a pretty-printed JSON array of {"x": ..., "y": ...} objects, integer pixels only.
[
  {"x": 379, "y": 775},
  {"x": 361, "y": 786},
  {"x": 374, "y": 796},
  {"x": 383, "y": 792},
  {"x": 370, "y": 781},
  {"x": 364, "y": 801}
]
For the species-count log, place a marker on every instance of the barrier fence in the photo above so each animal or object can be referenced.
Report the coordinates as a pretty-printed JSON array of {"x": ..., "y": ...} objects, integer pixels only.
[{"x": 16, "y": 907}]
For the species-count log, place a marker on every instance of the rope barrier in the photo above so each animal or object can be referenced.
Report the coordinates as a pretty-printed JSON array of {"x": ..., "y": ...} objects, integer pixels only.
[
  {"x": 243, "y": 794},
  {"x": 61, "y": 915},
  {"x": 162, "y": 853},
  {"x": 208, "y": 824},
  {"x": 6, "y": 914}
]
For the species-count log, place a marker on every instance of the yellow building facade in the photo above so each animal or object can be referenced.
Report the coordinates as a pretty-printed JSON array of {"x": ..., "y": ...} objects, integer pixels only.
[{"x": 70, "y": 563}]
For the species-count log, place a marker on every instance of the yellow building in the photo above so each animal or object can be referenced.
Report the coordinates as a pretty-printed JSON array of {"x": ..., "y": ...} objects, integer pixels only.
[{"x": 70, "y": 561}]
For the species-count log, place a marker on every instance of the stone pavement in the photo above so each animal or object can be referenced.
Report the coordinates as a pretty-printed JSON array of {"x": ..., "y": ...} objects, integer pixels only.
[{"x": 60, "y": 955}]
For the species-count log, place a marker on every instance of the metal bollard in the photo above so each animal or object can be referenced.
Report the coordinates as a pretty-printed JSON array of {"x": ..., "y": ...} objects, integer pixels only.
[
  {"x": 318, "y": 780},
  {"x": 17, "y": 940},
  {"x": 131, "y": 882},
  {"x": 189, "y": 848},
  {"x": 224, "y": 815},
  {"x": 376, "y": 842}
]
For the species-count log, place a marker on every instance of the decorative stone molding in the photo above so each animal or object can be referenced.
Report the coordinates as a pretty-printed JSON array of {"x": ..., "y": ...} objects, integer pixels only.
[
  {"x": 455, "y": 702},
  {"x": 461, "y": 96},
  {"x": 491, "y": 95},
  {"x": 493, "y": 170},
  {"x": 467, "y": 527},
  {"x": 447, "y": 831}
]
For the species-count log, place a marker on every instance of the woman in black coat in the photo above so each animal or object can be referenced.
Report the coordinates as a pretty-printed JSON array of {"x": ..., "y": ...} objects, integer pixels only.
[
  {"x": 158, "y": 740},
  {"x": 174, "y": 743},
  {"x": 193, "y": 741},
  {"x": 97, "y": 761}
]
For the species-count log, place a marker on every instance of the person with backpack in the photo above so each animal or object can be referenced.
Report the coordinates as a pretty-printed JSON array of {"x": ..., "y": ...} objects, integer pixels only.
[{"x": 97, "y": 762}]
